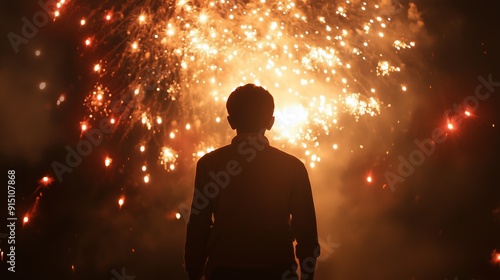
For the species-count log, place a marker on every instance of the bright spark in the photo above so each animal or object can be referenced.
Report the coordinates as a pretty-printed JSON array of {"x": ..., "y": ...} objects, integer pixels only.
[
  {"x": 107, "y": 161},
  {"x": 121, "y": 201}
]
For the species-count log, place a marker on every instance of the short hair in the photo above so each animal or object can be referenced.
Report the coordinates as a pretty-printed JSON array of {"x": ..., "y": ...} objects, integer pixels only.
[{"x": 250, "y": 108}]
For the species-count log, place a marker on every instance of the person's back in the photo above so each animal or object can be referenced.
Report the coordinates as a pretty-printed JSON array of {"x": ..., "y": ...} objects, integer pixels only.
[{"x": 251, "y": 189}]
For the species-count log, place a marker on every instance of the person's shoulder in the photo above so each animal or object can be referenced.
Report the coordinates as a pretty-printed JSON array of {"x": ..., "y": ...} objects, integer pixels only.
[
  {"x": 286, "y": 157},
  {"x": 215, "y": 154}
]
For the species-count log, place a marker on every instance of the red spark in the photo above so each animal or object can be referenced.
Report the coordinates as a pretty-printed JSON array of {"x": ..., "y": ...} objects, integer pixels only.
[{"x": 46, "y": 180}]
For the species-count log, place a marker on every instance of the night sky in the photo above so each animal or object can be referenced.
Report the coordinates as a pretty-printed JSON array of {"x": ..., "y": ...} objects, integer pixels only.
[{"x": 441, "y": 222}]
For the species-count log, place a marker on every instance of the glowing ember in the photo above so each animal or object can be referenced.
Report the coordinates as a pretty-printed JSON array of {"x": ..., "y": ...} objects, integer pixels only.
[
  {"x": 107, "y": 161},
  {"x": 495, "y": 257},
  {"x": 121, "y": 201},
  {"x": 61, "y": 99},
  {"x": 168, "y": 158},
  {"x": 46, "y": 180}
]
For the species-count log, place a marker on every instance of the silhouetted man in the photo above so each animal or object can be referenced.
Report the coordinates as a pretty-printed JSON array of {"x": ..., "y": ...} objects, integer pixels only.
[{"x": 251, "y": 201}]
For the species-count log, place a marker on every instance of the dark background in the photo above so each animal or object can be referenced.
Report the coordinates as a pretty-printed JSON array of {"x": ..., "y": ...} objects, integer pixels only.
[{"x": 443, "y": 222}]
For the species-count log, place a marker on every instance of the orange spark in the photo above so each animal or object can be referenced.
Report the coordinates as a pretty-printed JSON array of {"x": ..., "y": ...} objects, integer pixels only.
[
  {"x": 121, "y": 201},
  {"x": 495, "y": 257},
  {"x": 46, "y": 180},
  {"x": 107, "y": 161}
]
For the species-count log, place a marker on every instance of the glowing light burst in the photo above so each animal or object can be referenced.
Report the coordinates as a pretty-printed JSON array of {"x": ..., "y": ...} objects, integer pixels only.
[
  {"x": 369, "y": 179},
  {"x": 173, "y": 63},
  {"x": 289, "y": 121},
  {"x": 495, "y": 257},
  {"x": 107, "y": 161},
  {"x": 46, "y": 180},
  {"x": 202, "y": 149},
  {"x": 121, "y": 201},
  {"x": 168, "y": 158}
]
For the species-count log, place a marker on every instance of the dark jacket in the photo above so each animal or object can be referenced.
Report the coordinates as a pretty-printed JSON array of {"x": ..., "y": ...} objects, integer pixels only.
[{"x": 251, "y": 201}]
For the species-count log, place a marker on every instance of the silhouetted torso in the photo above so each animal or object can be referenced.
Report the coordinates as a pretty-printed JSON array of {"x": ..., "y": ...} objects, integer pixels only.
[{"x": 252, "y": 190}]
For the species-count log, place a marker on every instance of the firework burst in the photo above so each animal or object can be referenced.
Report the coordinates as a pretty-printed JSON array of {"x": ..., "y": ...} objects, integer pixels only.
[{"x": 173, "y": 63}]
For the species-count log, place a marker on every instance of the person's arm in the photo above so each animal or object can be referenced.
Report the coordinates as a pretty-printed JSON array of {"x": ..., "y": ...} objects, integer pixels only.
[
  {"x": 304, "y": 224},
  {"x": 198, "y": 227}
]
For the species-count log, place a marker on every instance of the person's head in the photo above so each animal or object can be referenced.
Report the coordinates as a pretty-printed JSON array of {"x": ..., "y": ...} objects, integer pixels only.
[{"x": 250, "y": 109}]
